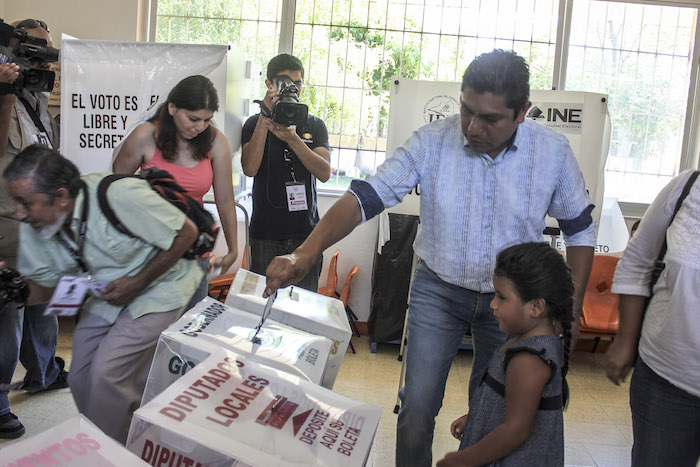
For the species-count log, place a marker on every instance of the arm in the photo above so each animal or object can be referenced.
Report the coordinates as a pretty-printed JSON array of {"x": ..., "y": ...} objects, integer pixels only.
[
  {"x": 620, "y": 357},
  {"x": 338, "y": 222},
  {"x": 317, "y": 161},
  {"x": 252, "y": 151},
  {"x": 8, "y": 74},
  {"x": 526, "y": 378},
  {"x": 580, "y": 260},
  {"x": 224, "y": 197},
  {"x": 122, "y": 291},
  {"x": 138, "y": 147}
]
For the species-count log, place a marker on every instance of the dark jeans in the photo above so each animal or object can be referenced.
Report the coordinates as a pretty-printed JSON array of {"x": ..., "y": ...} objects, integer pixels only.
[
  {"x": 665, "y": 421},
  {"x": 262, "y": 252}
]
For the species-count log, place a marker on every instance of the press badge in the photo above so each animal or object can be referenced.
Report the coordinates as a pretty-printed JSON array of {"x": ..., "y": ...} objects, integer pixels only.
[
  {"x": 296, "y": 196},
  {"x": 70, "y": 294}
]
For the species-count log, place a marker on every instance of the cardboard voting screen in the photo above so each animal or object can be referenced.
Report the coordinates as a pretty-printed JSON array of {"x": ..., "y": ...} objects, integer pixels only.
[
  {"x": 211, "y": 325},
  {"x": 298, "y": 308},
  {"x": 75, "y": 442},
  {"x": 230, "y": 408}
]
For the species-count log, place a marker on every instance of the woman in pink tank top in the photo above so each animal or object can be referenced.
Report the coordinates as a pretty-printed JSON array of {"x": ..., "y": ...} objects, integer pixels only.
[{"x": 181, "y": 140}]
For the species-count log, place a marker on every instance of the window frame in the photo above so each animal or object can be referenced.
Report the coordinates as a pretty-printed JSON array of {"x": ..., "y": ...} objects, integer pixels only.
[{"x": 690, "y": 150}]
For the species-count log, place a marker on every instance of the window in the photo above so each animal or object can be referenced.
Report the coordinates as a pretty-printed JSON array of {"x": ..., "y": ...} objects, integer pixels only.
[{"x": 638, "y": 53}]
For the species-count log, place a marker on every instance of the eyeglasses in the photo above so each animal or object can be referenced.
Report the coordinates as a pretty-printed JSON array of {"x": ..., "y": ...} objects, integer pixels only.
[{"x": 32, "y": 24}]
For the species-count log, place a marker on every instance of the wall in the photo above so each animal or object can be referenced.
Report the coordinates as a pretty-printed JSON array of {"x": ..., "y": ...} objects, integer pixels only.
[{"x": 84, "y": 19}]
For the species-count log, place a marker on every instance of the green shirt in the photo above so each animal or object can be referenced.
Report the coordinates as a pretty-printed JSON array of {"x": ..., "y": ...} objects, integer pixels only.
[{"x": 110, "y": 254}]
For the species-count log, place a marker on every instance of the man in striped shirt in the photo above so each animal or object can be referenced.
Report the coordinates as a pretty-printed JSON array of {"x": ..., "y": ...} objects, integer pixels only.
[{"x": 488, "y": 178}]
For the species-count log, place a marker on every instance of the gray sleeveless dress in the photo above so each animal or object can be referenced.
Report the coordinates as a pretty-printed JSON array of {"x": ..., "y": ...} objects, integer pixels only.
[{"x": 545, "y": 446}]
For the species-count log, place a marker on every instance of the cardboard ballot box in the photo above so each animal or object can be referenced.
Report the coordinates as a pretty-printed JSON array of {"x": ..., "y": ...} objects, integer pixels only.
[
  {"x": 211, "y": 325},
  {"x": 230, "y": 408},
  {"x": 75, "y": 442},
  {"x": 300, "y": 309}
]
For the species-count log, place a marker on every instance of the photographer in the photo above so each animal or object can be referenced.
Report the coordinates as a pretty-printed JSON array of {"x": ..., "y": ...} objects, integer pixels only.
[
  {"x": 24, "y": 328},
  {"x": 285, "y": 160}
]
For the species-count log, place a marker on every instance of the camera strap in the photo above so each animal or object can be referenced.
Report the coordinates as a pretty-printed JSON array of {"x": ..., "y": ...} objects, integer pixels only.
[
  {"x": 33, "y": 114},
  {"x": 77, "y": 253}
]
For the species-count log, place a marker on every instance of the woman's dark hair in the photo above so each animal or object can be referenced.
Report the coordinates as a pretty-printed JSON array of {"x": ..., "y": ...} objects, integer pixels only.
[
  {"x": 47, "y": 169},
  {"x": 192, "y": 93},
  {"x": 502, "y": 73},
  {"x": 539, "y": 271}
]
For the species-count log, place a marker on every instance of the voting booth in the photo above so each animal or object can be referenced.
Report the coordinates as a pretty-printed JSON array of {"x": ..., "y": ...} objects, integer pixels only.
[
  {"x": 298, "y": 308},
  {"x": 230, "y": 410},
  {"x": 580, "y": 116},
  {"x": 75, "y": 442}
]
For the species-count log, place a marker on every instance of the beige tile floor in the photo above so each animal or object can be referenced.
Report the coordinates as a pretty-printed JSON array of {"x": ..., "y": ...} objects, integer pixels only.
[{"x": 598, "y": 429}]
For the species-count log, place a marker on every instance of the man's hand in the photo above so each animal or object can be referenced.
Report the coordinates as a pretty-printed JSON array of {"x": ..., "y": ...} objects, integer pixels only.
[
  {"x": 453, "y": 459},
  {"x": 287, "y": 270},
  {"x": 271, "y": 96},
  {"x": 619, "y": 359},
  {"x": 9, "y": 72},
  {"x": 122, "y": 291},
  {"x": 285, "y": 133},
  {"x": 457, "y": 427}
]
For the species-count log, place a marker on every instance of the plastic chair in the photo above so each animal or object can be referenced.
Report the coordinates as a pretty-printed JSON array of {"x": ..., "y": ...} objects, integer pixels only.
[
  {"x": 329, "y": 290},
  {"x": 343, "y": 297},
  {"x": 601, "y": 316}
]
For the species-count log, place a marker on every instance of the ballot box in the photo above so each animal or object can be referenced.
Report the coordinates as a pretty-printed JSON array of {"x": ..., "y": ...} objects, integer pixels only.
[
  {"x": 75, "y": 442},
  {"x": 231, "y": 409},
  {"x": 211, "y": 325},
  {"x": 298, "y": 308}
]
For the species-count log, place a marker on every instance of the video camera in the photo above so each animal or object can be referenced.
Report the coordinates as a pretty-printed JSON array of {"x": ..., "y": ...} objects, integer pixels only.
[
  {"x": 12, "y": 288},
  {"x": 21, "y": 48},
  {"x": 287, "y": 110}
]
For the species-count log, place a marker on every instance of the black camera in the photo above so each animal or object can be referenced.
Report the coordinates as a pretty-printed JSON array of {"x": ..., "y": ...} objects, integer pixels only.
[
  {"x": 287, "y": 110},
  {"x": 12, "y": 288},
  {"x": 21, "y": 48}
]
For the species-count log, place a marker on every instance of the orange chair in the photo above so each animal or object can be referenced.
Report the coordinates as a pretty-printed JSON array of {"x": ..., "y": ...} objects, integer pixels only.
[
  {"x": 343, "y": 297},
  {"x": 219, "y": 286},
  {"x": 601, "y": 316},
  {"x": 329, "y": 290}
]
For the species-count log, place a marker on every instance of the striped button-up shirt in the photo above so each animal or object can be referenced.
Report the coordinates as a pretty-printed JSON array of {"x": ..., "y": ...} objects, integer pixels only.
[{"x": 473, "y": 206}]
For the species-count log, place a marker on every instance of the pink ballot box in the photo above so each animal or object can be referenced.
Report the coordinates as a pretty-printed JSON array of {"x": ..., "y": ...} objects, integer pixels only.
[
  {"x": 230, "y": 408},
  {"x": 211, "y": 325},
  {"x": 75, "y": 442},
  {"x": 298, "y": 308}
]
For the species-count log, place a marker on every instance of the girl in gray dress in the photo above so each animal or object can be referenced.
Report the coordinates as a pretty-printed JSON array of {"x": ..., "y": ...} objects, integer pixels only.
[{"x": 515, "y": 416}]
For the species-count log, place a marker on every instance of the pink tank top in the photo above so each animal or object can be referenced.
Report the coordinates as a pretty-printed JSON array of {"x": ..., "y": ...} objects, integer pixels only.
[{"x": 196, "y": 180}]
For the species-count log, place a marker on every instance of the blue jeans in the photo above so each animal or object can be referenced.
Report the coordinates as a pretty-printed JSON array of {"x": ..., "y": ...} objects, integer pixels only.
[
  {"x": 665, "y": 421},
  {"x": 26, "y": 334},
  {"x": 438, "y": 318}
]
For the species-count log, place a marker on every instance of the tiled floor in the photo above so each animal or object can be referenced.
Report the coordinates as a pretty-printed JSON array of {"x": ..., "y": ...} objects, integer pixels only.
[{"x": 598, "y": 429}]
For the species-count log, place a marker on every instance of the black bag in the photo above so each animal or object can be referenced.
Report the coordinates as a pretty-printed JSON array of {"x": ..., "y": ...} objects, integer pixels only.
[{"x": 165, "y": 185}]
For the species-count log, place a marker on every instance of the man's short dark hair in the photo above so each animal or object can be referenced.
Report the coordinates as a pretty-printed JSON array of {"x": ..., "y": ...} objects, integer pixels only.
[
  {"x": 502, "y": 73},
  {"x": 47, "y": 169},
  {"x": 284, "y": 62}
]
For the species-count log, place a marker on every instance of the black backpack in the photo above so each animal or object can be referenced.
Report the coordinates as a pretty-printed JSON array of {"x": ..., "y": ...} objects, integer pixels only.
[{"x": 165, "y": 185}]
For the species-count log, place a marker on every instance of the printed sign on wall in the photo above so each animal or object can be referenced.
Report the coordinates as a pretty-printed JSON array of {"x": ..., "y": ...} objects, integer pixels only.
[{"x": 109, "y": 87}]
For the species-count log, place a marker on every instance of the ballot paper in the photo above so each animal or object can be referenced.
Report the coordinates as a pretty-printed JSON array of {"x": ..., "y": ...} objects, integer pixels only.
[
  {"x": 229, "y": 408},
  {"x": 211, "y": 325}
]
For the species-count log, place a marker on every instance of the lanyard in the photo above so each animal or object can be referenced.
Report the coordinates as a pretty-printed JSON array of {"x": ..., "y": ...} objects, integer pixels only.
[
  {"x": 77, "y": 254},
  {"x": 289, "y": 162}
]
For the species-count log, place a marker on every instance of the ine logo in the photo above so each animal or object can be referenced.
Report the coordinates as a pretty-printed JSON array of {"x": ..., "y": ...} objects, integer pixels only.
[
  {"x": 561, "y": 117},
  {"x": 440, "y": 107}
]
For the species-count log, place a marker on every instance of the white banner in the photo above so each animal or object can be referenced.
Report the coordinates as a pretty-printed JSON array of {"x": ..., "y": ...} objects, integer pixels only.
[
  {"x": 580, "y": 116},
  {"x": 109, "y": 87}
]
